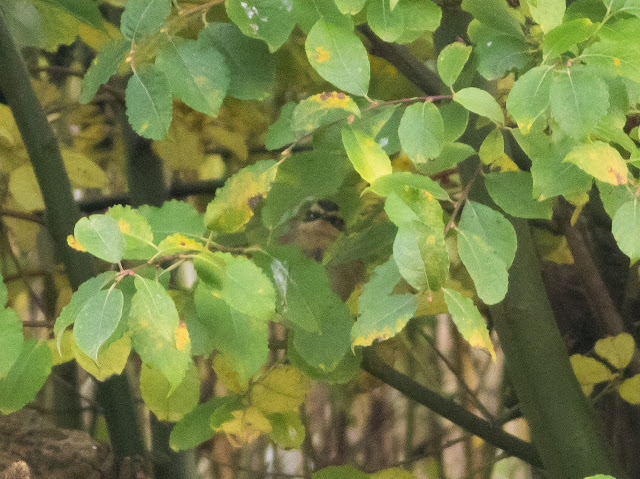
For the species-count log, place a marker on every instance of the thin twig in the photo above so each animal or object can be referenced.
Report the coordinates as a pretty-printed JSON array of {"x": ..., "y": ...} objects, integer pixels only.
[
  {"x": 21, "y": 215},
  {"x": 472, "y": 395},
  {"x": 461, "y": 200}
]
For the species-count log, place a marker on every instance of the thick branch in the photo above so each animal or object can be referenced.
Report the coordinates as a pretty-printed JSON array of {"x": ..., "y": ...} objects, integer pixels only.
[
  {"x": 401, "y": 58},
  {"x": 450, "y": 410}
]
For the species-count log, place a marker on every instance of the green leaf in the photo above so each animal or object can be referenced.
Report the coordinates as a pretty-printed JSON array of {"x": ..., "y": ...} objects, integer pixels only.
[
  {"x": 97, "y": 320},
  {"x": 87, "y": 290},
  {"x": 11, "y": 340},
  {"x": 495, "y": 14},
  {"x": 421, "y": 255},
  {"x": 281, "y": 133},
  {"x": 601, "y": 161},
  {"x": 418, "y": 16},
  {"x": 625, "y": 6},
  {"x": 409, "y": 204},
  {"x": 421, "y": 132},
  {"x": 579, "y": 98},
  {"x": 529, "y": 97},
  {"x": 239, "y": 282},
  {"x": 455, "y": 118},
  {"x": 497, "y": 51},
  {"x": 320, "y": 110},
  {"x": 547, "y": 13},
  {"x": 452, "y": 154},
  {"x": 625, "y": 227},
  {"x": 149, "y": 103},
  {"x": 388, "y": 24},
  {"x": 492, "y": 147},
  {"x": 613, "y": 197},
  {"x": 252, "y": 68},
  {"x": 83, "y": 11},
  {"x": 395, "y": 182},
  {"x": 195, "y": 428},
  {"x": 234, "y": 203},
  {"x": 382, "y": 314},
  {"x": 468, "y": 320},
  {"x": 102, "y": 67},
  {"x": 268, "y": 20},
  {"x": 350, "y": 6},
  {"x": 154, "y": 322},
  {"x": 143, "y": 17},
  {"x": 451, "y": 61},
  {"x": 241, "y": 339},
  {"x": 308, "y": 12},
  {"x": 367, "y": 157},
  {"x": 338, "y": 55},
  {"x": 4, "y": 294},
  {"x": 513, "y": 192},
  {"x": 320, "y": 321},
  {"x": 566, "y": 36},
  {"x": 171, "y": 218},
  {"x": 138, "y": 237},
  {"x": 167, "y": 403},
  {"x": 382, "y": 123},
  {"x": 287, "y": 430},
  {"x": 100, "y": 236},
  {"x": 487, "y": 245},
  {"x": 481, "y": 102},
  {"x": 303, "y": 177},
  {"x": 26, "y": 376},
  {"x": 552, "y": 176},
  {"x": 197, "y": 72},
  {"x": 615, "y": 56}
]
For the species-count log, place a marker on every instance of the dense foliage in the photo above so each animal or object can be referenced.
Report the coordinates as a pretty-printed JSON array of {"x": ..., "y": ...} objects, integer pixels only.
[{"x": 285, "y": 100}]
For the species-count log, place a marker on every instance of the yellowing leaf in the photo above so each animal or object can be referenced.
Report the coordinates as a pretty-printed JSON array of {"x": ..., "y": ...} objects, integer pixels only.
[
  {"x": 177, "y": 243},
  {"x": 367, "y": 156},
  {"x": 618, "y": 350},
  {"x": 468, "y": 320},
  {"x": 111, "y": 360},
  {"x": 95, "y": 38},
  {"x": 234, "y": 203},
  {"x": 589, "y": 371},
  {"x": 630, "y": 390},
  {"x": 166, "y": 402},
  {"x": 83, "y": 172},
  {"x": 601, "y": 161},
  {"x": 287, "y": 431},
  {"x": 228, "y": 376},
  {"x": 281, "y": 389},
  {"x": 66, "y": 352},
  {"x": 246, "y": 426}
]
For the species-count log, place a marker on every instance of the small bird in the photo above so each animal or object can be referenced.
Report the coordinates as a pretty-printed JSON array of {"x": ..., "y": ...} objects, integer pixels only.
[{"x": 320, "y": 227}]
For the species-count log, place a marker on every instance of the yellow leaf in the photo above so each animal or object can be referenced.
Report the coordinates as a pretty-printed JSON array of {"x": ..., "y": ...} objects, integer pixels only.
[
  {"x": 630, "y": 390},
  {"x": 111, "y": 360},
  {"x": 228, "y": 376},
  {"x": 24, "y": 188},
  {"x": 246, "y": 426},
  {"x": 618, "y": 350},
  {"x": 97, "y": 38},
  {"x": 552, "y": 247},
  {"x": 394, "y": 473},
  {"x": 83, "y": 172},
  {"x": 589, "y": 371},
  {"x": 182, "y": 148},
  {"x": 281, "y": 389}
]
